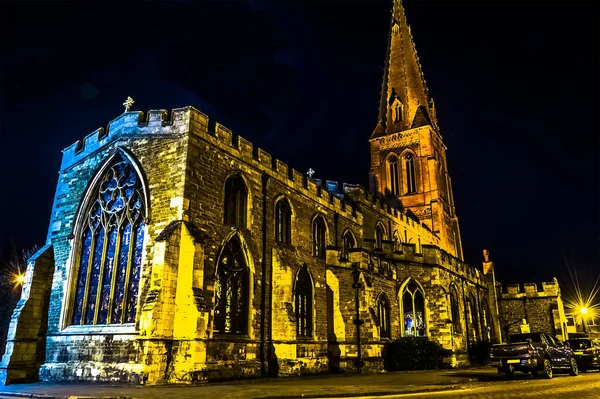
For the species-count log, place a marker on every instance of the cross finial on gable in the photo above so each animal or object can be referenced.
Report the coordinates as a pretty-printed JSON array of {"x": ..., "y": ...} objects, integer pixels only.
[
  {"x": 128, "y": 103},
  {"x": 310, "y": 172}
]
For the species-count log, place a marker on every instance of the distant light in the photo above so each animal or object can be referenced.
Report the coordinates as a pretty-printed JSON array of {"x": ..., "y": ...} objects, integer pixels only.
[
  {"x": 20, "y": 278},
  {"x": 583, "y": 310}
]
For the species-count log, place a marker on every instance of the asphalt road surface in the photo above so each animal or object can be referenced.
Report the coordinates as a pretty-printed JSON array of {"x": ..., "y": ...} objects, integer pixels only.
[{"x": 584, "y": 386}]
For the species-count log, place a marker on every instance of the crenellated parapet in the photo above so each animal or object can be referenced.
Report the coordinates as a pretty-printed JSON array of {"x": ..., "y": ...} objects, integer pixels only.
[{"x": 530, "y": 290}]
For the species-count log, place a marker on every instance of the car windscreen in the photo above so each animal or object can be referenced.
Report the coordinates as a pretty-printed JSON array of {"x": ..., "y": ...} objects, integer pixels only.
[
  {"x": 525, "y": 337},
  {"x": 580, "y": 343}
]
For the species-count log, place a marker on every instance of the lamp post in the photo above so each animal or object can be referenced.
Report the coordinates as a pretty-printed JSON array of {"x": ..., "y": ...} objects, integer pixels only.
[
  {"x": 357, "y": 321},
  {"x": 583, "y": 311}
]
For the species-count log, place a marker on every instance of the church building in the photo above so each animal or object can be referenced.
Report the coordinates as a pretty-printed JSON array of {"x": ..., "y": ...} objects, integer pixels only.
[{"x": 178, "y": 252}]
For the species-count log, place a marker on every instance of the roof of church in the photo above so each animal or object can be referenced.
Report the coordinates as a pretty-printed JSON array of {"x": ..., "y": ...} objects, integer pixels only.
[{"x": 402, "y": 77}]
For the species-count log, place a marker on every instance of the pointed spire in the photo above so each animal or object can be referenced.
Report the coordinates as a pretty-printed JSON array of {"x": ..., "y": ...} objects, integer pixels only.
[{"x": 403, "y": 88}]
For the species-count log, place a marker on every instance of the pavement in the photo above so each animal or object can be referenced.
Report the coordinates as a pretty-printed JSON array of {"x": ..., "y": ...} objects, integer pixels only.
[{"x": 322, "y": 386}]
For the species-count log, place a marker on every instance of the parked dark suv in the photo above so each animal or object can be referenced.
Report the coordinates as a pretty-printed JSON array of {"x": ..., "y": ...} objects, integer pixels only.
[
  {"x": 535, "y": 353},
  {"x": 587, "y": 352}
]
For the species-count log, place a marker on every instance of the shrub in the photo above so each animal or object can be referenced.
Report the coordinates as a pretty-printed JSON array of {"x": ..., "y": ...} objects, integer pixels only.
[
  {"x": 413, "y": 353},
  {"x": 479, "y": 353}
]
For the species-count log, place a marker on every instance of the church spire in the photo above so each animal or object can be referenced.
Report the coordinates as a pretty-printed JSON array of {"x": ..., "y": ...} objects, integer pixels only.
[{"x": 405, "y": 101}]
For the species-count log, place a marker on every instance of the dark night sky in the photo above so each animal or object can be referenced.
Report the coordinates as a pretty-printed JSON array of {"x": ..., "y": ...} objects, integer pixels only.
[{"x": 515, "y": 83}]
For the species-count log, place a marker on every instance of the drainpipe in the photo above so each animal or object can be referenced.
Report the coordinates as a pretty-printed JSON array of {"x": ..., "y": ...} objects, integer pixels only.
[{"x": 263, "y": 276}]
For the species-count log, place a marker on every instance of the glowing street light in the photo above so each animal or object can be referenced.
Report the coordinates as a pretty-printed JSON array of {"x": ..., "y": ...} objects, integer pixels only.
[
  {"x": 20, "y": 278},
  {"x": 583, "y": 310}
]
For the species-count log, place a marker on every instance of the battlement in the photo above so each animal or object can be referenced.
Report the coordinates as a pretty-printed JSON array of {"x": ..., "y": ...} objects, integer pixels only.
[
  {"x": 156, "y": 123},
  {"x": 530, "y": 290}
]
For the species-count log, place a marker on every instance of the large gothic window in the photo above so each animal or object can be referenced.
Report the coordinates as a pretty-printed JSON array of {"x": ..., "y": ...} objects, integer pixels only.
[
  {"x": 394, "y": 178},
  {"x": 231, "y": 290},
  {"x": 110, "y": 243},
  {"x": 472, "y": 316},
  {"x": 409, "y": 165},
  {"x": 304, "y": 303},
  {"x": 348, "y": 243},
  {"x": 283, "y": 222},
  {"x": 455, "y": 310},
  {"x": 383, "y": 312},
  {"x": 319, "y": 232},
  {"x": 485, "y": 317},
  {"x": 413, "y": 308},
  {"x": 236, "y": 200}
]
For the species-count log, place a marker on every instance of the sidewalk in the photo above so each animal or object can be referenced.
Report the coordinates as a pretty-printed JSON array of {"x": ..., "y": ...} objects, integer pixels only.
[{"x": 346, "y": 385}]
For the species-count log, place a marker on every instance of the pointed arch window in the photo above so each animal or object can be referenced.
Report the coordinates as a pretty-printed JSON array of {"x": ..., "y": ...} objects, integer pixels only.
[
  {"x": 283, "y": 221},
  {"x": 236, "y": 201},
  {"x": 110, "y": 244},
  {"x": 409, "y": 166},
  {"x": 485, "y": 317},
  {"x": 397, "y": 111},
  {"x": 383, "y": 312},
  {"x": 455, "y": 310},
  {"x": 231, "y": 290},
  {"x": 394, "y": 176},
  {"x": 472, "y": 316},
  {"x": 348, "y": 243},
  {"x": 413, "y": 308},
  {"x": 379, "y": 235},
  {"x": 304, "y": 303},
  {"x": 397, "y": 242},
  {"x": 319, "y": 232}
]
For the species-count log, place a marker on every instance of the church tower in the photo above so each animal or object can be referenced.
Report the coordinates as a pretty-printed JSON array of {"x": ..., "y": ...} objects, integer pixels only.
[{"x": 408, "y": 156}]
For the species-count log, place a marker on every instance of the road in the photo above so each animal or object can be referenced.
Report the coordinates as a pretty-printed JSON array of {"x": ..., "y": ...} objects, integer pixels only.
[{"x": 584, "y": 386}]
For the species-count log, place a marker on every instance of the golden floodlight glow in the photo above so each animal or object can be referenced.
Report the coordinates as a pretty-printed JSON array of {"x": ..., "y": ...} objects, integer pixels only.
[{"x": 583, "y": 310}]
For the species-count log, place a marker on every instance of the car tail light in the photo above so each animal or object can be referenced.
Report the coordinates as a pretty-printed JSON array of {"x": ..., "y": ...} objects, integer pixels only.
[
  {"x": 530, "y": 349},
  {"x": 591, "y": 351}
]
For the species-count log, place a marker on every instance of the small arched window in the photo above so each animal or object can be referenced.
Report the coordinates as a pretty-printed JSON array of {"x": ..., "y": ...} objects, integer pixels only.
[
  {"x": 319, "y": 241},
  {"x": 383, "y": 312},
  {"x": 304, "y": 303},
  {"x": 455, "y": 310},
  {"x": 348, "y": 243},
  {"x": 236, "y": 201},
  {"x": 110, "y": 244},
  {"x": 231, "y": 290},
  {"x": 409, "y": 165},
  {"x": 397, "y": 111},
  {"x": 394, "y": 177},
  {"x": 283, "y": 222},
  {"x": 413, "y": 308},
  {"x": 397, "y": 242},
  {"x": 379, "y": 236}
]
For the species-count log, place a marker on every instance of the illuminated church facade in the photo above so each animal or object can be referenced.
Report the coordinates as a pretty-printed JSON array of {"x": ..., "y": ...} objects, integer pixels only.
[{"x": 178, "y": 252}]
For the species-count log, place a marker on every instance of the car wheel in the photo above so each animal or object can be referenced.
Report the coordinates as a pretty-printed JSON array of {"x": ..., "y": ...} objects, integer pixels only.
[
  {"x": 574, "y": 370},
  {"x": 547, "y": 369}
]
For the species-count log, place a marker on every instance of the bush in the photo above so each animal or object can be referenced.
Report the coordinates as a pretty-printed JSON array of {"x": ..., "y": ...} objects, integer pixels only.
[
  {"x": 413, "y": 353},
  {"x": 479, "y": 353}
]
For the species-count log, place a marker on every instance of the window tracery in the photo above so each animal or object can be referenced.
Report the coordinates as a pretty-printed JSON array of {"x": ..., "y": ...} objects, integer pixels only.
[
  {"x": 413, "y": 306},
  {"x": 283, "y": 222},
  {"x": 394, "y": 176},
  {"x": 409, "y": 163},
  {"x": 304, "y": 303},
  {"x": 383, "y": 312},
  {"x": 231, "y": 290},
  {"x": 110, "y": 249}
]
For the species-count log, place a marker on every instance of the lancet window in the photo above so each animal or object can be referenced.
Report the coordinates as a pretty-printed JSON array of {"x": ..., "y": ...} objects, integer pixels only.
[
  {"x": 397, "y": 111},
  {"x": 319, "y": 232},
  {"x": 455, "y": 310},
  {"x": 348, "y": 243},
  {"x": 110, "y": 244},
  {"x": 231, "y": 290},
  {"x": 283, "y": 221},
  {"x": 409, "y": 165},
  {"x": 236, "y": 201},
  {"x": 379, "y": 234},
  {"x": 304, "y": 303},
  {"x": 394, "y": 177},
  {"x": 383, "y": 312},
  {"x": 413, "y": 308}
]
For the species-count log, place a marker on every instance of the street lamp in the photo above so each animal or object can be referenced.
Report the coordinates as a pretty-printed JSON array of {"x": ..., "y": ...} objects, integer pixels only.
[
  {"x": 583, "y": 310},
  {"x": 357, "y": 321}
]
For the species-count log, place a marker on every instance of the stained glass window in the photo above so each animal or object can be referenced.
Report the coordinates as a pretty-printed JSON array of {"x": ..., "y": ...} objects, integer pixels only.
[
  {"x": 236, "y": 199},
  {"x": 383, "y": 312},
  {"x": 231, "y": 290},
  {"x": 283, "y": 222},
  {"x": 413, "y": 306},
  {"x": 319, "y": 232},
  {"x": 304, "y": 303},
  {"x": 110, "y": 249},
  {"x": 411, "y": 184}
]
